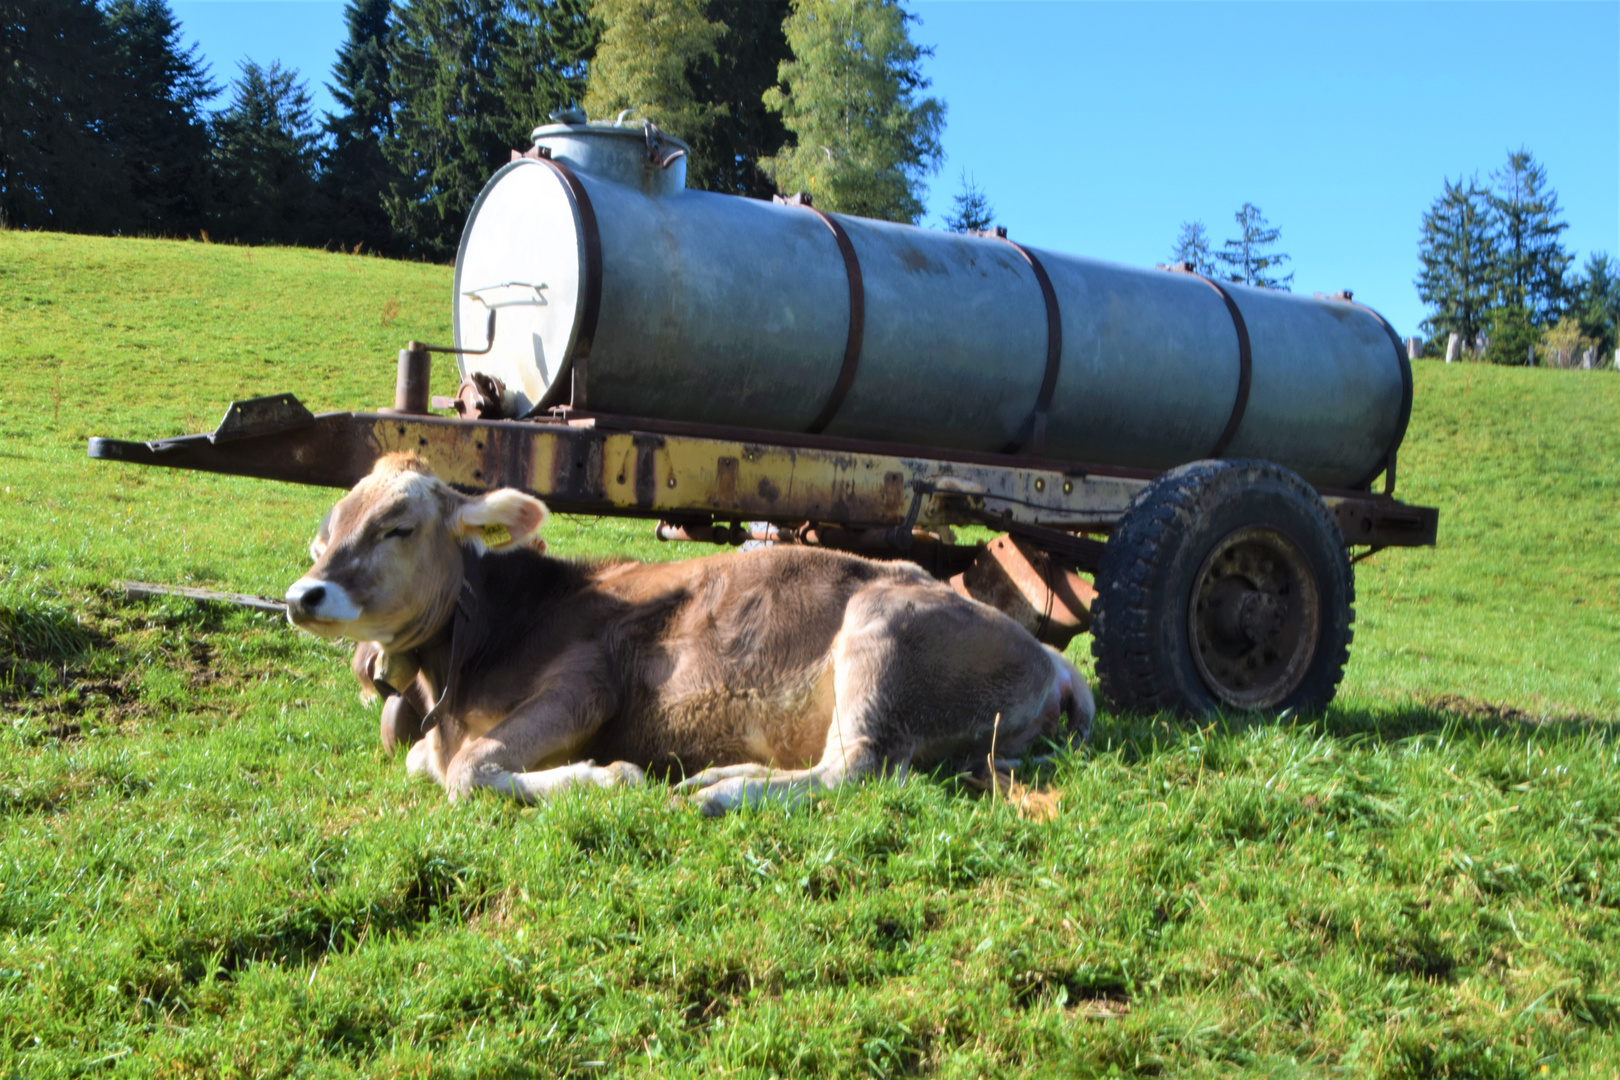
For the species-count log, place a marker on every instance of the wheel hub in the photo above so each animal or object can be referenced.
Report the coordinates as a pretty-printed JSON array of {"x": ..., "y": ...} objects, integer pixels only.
[{"x": 1254, "y": 618}]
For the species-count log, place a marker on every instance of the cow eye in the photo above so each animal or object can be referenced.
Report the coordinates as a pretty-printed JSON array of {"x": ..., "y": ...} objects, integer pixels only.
[{"x": 399, "y": 531}]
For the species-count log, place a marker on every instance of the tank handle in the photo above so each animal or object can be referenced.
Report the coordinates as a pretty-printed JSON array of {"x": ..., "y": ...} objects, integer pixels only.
[
  {"x": 656, "y": 144},
  {"x": 536, "y": 297}
]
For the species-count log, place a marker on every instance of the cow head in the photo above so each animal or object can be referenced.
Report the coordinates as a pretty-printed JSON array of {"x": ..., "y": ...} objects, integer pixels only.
[{"x": 388, "y": 556}]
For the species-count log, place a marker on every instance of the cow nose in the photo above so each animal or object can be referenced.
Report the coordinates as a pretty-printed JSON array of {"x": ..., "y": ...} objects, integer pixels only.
[
  {"x": 325, "y": 600},
  {"x": 305, "y": 596}
]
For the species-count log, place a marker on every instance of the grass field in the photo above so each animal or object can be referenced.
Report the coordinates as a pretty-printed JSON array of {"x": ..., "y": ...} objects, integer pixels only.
[{"x": 208, "y": 867}]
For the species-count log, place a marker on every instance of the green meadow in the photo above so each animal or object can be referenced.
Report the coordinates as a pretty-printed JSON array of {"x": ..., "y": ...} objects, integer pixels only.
[{"x": 208, "y": 867}]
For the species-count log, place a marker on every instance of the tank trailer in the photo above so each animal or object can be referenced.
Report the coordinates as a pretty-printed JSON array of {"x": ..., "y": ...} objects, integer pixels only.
[{"x": 1178, "y": 465}]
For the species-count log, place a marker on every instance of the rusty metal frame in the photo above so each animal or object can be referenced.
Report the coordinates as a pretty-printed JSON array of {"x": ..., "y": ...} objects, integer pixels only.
[
  {"x": 696, "y": 475},
  {"x": 580, "y": 467}
]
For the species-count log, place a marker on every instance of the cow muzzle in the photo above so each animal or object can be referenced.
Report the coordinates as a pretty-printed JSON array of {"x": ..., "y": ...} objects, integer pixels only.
[{"x": 320, "y": 605}]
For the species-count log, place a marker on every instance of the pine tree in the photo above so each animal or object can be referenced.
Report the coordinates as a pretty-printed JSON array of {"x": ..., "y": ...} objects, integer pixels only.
[
  {"x": 735, "y": 78},
  {"x": 158, "y": 119},
  {"x": 644, "y": 63},
  {"x": 471, "y": 79},
  {"x": 59, "y": 169},
  {"x": 971, "y": 211},
  {"x": 354, "y": 174},
  {"x": 1531, "y": 262},
  {"x": 1459, "y": 250},
  {"x": 1192, "y": 246},
  {"x": 862, "y": 138},
  {"x": 264, "y": 153},
  {"x": 1249, "y": 258}
]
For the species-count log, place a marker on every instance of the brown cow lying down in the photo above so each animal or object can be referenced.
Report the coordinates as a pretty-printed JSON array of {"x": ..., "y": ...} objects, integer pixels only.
[{"x": 762, "y": 674}]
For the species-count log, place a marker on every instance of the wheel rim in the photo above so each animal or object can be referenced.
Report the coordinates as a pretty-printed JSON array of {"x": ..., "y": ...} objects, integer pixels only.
[{"x": 1254, "y": 618}]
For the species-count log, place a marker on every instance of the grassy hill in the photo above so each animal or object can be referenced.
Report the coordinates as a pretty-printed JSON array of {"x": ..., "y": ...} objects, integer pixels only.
[{"x": 207, "y": 867}]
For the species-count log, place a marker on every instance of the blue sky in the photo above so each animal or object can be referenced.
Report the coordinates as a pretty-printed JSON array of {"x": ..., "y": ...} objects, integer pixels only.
[{"x": 1098, "y": 128}]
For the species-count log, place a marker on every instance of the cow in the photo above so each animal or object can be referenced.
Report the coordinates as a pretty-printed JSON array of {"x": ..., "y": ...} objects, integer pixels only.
[{"x": 746, "y": 676}]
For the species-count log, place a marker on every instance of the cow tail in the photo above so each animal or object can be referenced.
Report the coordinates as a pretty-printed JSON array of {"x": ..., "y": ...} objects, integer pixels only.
[{"x": 1078, "y": 704}]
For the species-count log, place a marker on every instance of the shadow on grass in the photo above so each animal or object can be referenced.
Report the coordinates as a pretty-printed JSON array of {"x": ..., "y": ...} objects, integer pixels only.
[
  {"x": 77, "y": 663},
  {"x": 1451, "y": 715}
]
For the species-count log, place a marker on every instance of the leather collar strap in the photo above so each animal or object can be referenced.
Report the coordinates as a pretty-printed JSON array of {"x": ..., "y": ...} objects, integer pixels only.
[{"x": 461, "y": 633}]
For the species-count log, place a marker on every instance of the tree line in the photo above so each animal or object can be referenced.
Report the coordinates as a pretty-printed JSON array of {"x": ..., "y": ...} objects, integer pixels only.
[
  {"x": 105, "y": 121},
  {"x": 1496, "y": 275},
  {"x": 1249, "y": 258}
]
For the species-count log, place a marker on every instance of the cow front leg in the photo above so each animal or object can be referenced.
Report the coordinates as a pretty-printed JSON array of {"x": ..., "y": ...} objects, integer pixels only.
[
  {"x": 542, "y": 784},
  {"x": 573, "y": 700},
  {"x": 756, "y": 784},
  {"x": 424, "y": 758}
]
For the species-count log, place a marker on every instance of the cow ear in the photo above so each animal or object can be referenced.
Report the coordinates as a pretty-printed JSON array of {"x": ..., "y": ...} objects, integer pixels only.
[{"x": 500, "y": 521}]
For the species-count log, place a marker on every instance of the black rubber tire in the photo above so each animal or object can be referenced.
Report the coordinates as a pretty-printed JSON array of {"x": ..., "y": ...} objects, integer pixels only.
[{"x": 1142, "y": 627}]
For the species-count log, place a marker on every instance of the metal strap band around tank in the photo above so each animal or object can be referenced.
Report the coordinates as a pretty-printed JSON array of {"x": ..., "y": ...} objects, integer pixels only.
[
  {"x": 1387, "y": 465},
  {"x": 1032, "y": 436},
  {"x": 857, "y": 324},
  {"x": 1245, "y": 368},
  {"x": 592, "y": 306}
]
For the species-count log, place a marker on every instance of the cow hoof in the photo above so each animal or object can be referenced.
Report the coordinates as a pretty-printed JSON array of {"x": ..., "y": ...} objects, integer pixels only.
[
  {"x": 712, "y": 777},
  {"x": 710, "y": 803},
  {"x": 622, "y": 773},
  {"x": 416, "y": 761},
  {"x": 704, "y": 801}
]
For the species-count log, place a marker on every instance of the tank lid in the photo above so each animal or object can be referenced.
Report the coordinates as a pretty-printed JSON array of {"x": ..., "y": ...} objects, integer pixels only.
[
  {"x": 573, "y": 122},
  {"x": 635, "y": 153}
]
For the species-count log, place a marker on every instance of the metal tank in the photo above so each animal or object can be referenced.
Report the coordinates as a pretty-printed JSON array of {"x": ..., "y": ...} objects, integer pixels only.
[{"x": 623, "y": 292}]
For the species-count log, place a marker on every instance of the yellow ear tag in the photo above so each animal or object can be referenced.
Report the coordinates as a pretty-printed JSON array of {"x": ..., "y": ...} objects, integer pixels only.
[{"x": 497, "y": 535}]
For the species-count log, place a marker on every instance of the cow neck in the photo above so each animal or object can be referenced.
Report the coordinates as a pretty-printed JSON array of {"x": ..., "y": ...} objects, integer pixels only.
[{"x": 442, "y": 661}]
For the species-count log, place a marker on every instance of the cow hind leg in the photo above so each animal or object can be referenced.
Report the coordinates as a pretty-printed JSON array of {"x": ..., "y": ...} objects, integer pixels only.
[
  {"x": 715, "y": 791},
  {"x": 856, "y": 746}
]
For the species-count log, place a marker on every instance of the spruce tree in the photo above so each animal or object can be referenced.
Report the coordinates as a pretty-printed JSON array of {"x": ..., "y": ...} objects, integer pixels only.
[
  {"x": 1459, "y": 250},
  {"x": 1510, "y": 334},
  {"x": 1249, "y": 258},
  {"x": 1531, "y": 262},
  {"x": 1192, "y": 246},
  {"x": 157, "y": 119},
  {"x": 1597, "y": 302},
  {"x": 354, "y": 174},
  {"x": 970, "y": 210},
  {"x": 59, "y": 168},
  {"x": 471, "y": 79},
  {"x": 863, "y": 138},
  {"x": 735, "y": 78},
  {"x": 644, "y": 62},
  {"x": 264, "y": 153}
]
